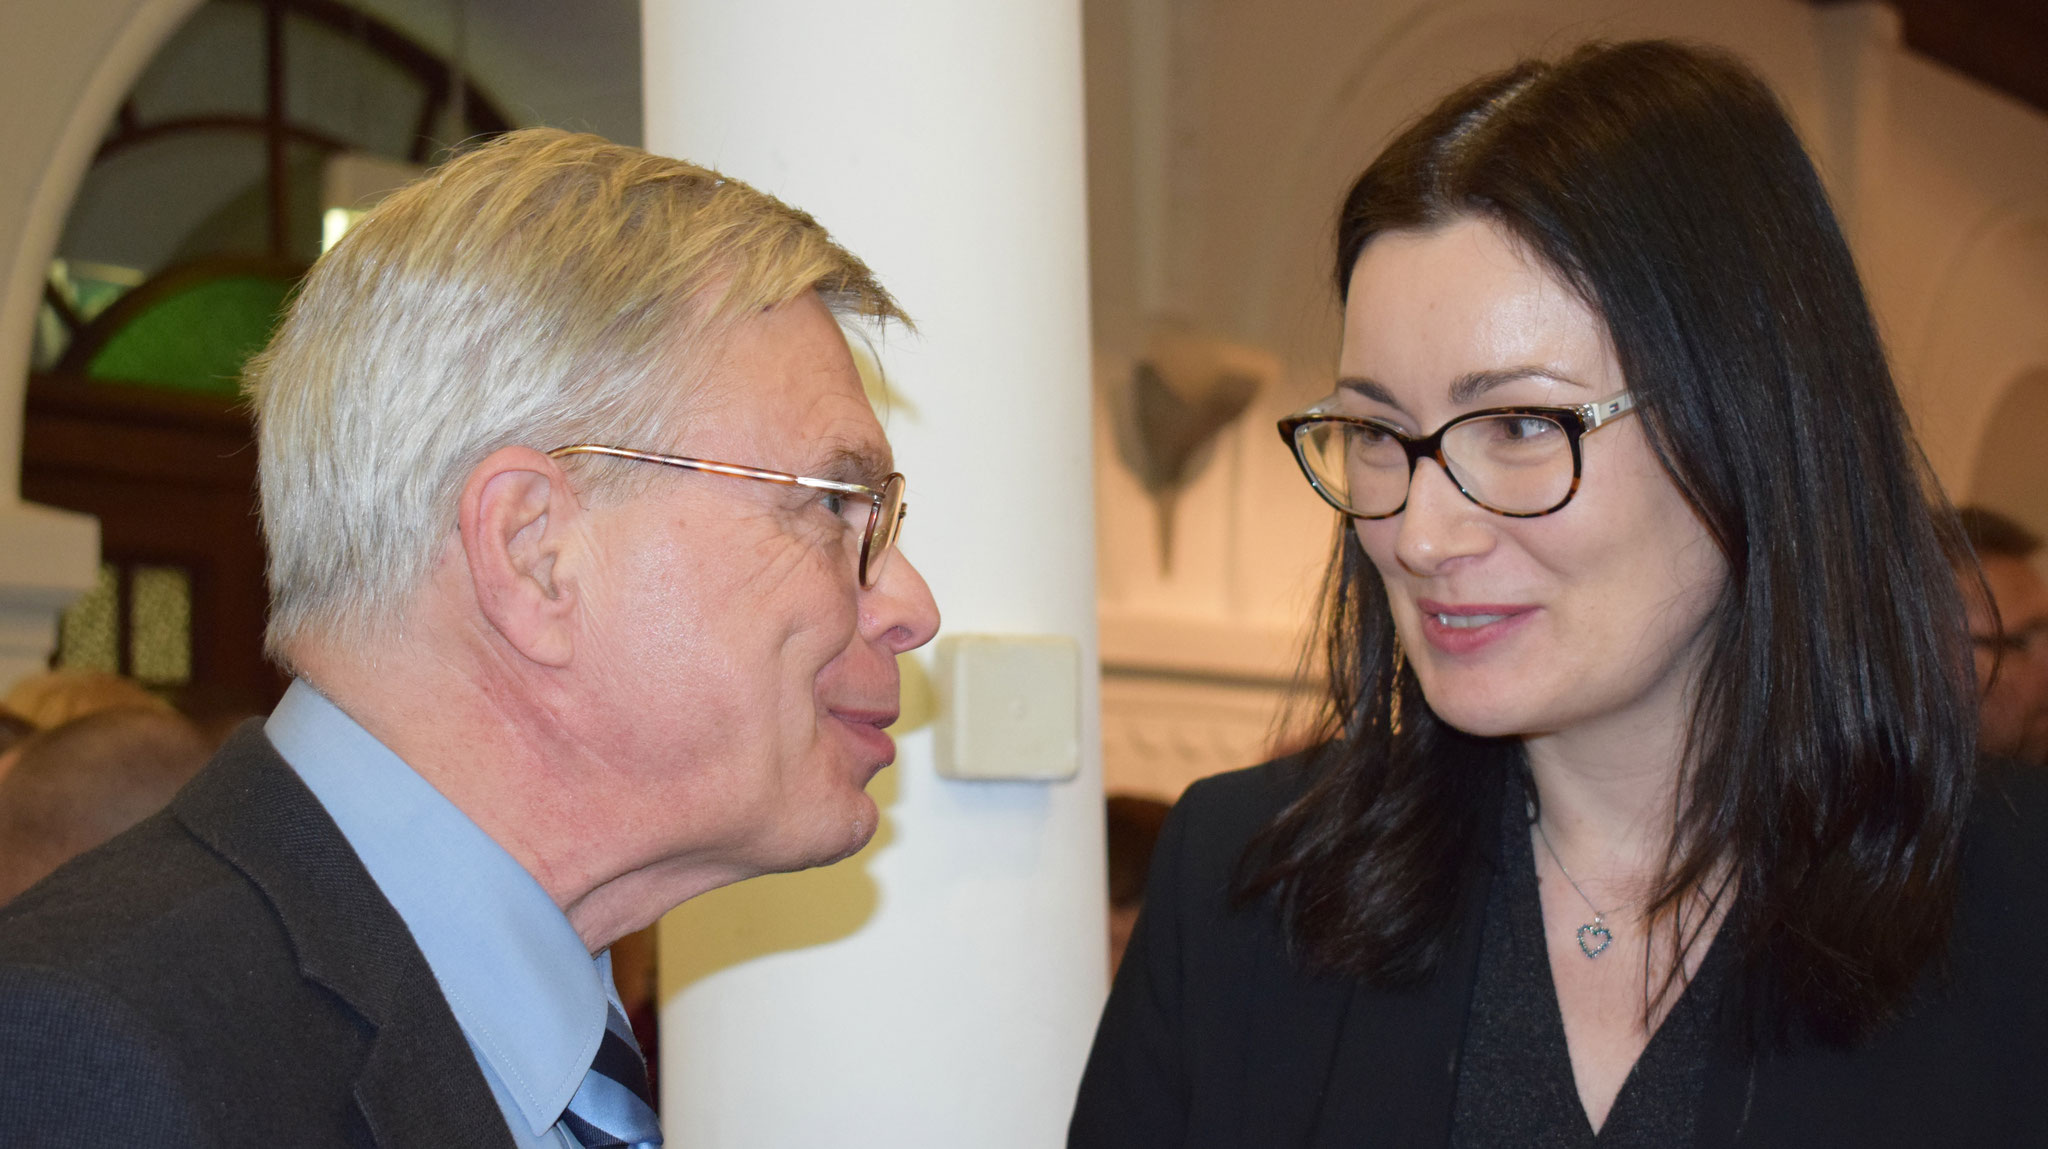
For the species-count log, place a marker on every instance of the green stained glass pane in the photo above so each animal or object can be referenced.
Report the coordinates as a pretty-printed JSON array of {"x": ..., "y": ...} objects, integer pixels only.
[
  {"x": 198, "y": 338},
  {"x": 160, "y": 624},
  {"x": 89, "y": 636}
]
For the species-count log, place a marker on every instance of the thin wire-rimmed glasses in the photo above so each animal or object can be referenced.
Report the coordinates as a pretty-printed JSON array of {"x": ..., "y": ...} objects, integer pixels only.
[
  {"x": 1516, "y": 461},
  {"x": 886, "y": 509}
]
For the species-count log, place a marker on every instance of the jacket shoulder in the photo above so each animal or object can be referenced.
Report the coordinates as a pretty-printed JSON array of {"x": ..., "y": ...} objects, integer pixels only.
[
  {"x": 2011, "y": 807},
  {"x": 240, "y": 943},
  {"x": 79, "y": 1067},
  {"x": 2005, "y": 860},
  {"x": 1222, "y": 814}
]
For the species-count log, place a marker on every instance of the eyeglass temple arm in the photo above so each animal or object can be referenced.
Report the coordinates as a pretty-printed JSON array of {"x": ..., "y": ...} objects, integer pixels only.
[
  {"x": 1606, "y": 410},
  {"x": 718, "y": 468}
]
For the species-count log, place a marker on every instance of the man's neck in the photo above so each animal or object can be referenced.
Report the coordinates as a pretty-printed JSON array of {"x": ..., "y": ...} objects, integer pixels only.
[{"x": 510, "y": 761}]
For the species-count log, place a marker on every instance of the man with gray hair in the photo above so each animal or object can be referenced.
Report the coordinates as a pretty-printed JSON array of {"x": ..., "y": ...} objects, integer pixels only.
[
  {"x": 2007, "y": 601},
  {"x": 581, "y": 536}
]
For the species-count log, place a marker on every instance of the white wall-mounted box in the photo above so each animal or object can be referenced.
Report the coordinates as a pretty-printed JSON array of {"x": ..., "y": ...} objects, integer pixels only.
[{"x": 1009, "y": 707}]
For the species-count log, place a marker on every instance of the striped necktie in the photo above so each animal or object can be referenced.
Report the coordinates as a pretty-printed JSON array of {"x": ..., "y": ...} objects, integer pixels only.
[{"x": 614, "y": 1107}]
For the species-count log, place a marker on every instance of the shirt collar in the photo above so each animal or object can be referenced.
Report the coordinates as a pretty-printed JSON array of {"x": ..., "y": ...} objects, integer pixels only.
[{"x": 525, "y": 991}]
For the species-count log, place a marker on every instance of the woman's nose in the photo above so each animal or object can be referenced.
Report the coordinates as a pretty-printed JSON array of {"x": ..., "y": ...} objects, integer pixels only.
[{"x": 1439, "y": 525}]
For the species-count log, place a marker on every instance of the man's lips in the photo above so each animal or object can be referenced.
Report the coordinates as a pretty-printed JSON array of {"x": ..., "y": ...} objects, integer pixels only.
[
  {"x": 869, "y": 730},
  {"x": 1464, "y": 627}
]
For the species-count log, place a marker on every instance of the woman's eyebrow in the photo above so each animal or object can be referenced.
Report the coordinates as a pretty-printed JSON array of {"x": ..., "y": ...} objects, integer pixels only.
[
  {"x": 1469, "y": 387},
  {"x": 1370, "y": 389}
]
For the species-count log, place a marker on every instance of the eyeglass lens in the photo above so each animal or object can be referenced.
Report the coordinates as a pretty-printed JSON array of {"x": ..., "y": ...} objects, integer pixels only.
[
  {"x": 884, "y": 524},
  {"x": 1513, "y": 463}
]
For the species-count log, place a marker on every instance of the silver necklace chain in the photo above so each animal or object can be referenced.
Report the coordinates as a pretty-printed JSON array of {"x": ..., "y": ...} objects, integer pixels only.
[{"x": 1594, "y": 937}]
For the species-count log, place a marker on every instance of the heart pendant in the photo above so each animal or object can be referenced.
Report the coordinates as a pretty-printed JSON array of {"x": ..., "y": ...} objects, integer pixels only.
[{"x": 1597, "y": 930}]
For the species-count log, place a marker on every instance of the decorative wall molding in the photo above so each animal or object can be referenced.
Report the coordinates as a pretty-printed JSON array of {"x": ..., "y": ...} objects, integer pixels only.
[{"x": 1161, "y": 734}]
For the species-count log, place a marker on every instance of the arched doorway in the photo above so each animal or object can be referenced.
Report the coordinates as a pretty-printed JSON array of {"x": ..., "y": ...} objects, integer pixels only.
[{"x": 220, "y": 177}]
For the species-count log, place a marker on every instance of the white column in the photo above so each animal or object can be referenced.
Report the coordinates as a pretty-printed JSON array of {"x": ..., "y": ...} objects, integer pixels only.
[{"x": 940, "y": 989}]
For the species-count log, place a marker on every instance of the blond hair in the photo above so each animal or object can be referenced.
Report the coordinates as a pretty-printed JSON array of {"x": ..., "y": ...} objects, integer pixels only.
[{"x": 545, "y": 288}]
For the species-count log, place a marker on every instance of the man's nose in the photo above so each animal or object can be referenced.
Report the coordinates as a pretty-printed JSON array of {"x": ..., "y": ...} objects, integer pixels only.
[
  {"x": 898, "y": 611},
  {"x": 1439, "y": 523}
]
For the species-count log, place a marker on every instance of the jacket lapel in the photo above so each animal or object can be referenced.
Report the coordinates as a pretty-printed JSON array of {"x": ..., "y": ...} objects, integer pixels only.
[
  {"x": 1296, "y": 1027},
  {"x": 420, "y": 1083},
  {"x": 1335, "y": 1063},
  {"x": 1393, "y": 1077}
]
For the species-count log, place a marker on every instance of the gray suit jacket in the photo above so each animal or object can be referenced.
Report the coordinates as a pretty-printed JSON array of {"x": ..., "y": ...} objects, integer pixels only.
[{"x": 227, "y": 974}]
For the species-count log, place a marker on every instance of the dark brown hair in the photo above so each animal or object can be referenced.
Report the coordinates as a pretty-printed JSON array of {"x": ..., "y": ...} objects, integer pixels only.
[{"x": 1832, "y": 743}]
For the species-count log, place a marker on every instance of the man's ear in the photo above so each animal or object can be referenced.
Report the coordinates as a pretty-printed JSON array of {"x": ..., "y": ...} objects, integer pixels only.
[{"x": 518, "y": 521}]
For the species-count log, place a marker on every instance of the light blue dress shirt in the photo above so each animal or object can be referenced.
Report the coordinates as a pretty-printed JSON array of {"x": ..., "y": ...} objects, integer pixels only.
[{"x": 528, "y": 995}]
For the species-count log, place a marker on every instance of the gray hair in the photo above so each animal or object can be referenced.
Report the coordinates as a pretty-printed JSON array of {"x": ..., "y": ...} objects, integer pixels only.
[{"x": 543, "y": 289}]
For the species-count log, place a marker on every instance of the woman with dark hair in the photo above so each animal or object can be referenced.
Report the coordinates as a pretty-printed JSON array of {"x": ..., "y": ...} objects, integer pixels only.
[{"x": 1648, "y": 810}]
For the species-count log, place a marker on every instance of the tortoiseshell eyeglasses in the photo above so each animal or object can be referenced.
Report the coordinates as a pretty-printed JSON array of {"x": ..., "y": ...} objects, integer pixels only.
[{"x": 1516, "y": 461}]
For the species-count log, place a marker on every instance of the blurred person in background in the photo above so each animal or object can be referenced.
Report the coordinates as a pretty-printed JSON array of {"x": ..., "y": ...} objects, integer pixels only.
[
  {"x": 13, "y": 729},
  {"x": 78, "y": 784},
  {"x": 55, "y": 697},
  {"x": 1133, "y": 822},
  {"x": 2010, "y": 633}
]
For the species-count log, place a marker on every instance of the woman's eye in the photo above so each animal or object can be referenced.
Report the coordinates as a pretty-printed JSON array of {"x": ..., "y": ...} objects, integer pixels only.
[
  {"x": 834, "y": 502},
  {"x": 1526, "y": 427}
]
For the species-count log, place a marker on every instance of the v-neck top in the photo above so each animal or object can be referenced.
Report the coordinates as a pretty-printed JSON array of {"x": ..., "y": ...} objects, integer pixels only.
[{"x": 1515, "y": 1083}]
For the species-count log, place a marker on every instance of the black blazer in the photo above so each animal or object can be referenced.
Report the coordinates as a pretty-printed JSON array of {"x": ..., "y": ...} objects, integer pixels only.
[
  {"x": 228, "y": 974},
  {"x": 1214, "y": 1038}
]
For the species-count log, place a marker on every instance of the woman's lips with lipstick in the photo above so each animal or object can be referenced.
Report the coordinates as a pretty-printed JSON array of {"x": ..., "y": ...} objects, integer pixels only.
[{"x": 1464, "y": 627}]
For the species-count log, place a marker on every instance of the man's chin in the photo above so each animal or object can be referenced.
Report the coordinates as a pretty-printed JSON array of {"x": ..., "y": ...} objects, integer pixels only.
[{"x": 859, "y": 831}]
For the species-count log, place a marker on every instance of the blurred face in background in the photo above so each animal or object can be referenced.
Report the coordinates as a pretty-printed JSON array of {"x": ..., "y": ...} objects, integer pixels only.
[{"x": 2012, "y": 664}]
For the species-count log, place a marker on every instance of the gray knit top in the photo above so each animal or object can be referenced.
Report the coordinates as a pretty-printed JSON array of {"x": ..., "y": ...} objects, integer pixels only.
[{"x": 1515, "y": 1085}]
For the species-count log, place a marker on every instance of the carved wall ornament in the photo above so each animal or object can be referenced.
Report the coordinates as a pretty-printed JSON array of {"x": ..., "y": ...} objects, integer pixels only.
[{"x": 1176, "y": 403}]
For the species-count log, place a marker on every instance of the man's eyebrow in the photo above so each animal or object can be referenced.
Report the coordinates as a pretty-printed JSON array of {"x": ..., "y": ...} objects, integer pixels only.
[
  {"x": 1471, "y": 386},
  {"x": 857, "y": 463}
]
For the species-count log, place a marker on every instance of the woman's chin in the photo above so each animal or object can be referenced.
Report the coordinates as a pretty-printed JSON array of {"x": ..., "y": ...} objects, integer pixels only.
[{"x": 1482, "y": 714}]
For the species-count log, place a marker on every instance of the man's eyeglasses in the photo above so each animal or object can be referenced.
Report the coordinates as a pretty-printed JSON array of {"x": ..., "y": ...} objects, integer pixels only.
[
  {"x": 2021, "y": 642},
  {"x": 1515, "y": 461},
  {"x": 879, "y": 527}
]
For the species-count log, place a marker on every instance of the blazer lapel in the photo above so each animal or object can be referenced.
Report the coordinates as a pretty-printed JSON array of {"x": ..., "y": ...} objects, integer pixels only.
[
  {"x": 1369, "y": 1066},
  {"x": 402, "y": 1090},
  {"x": 420, "y": 1083},
  {"x": 1394, "y": 1074},
  {"x": 1295, "y": 1027}
]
